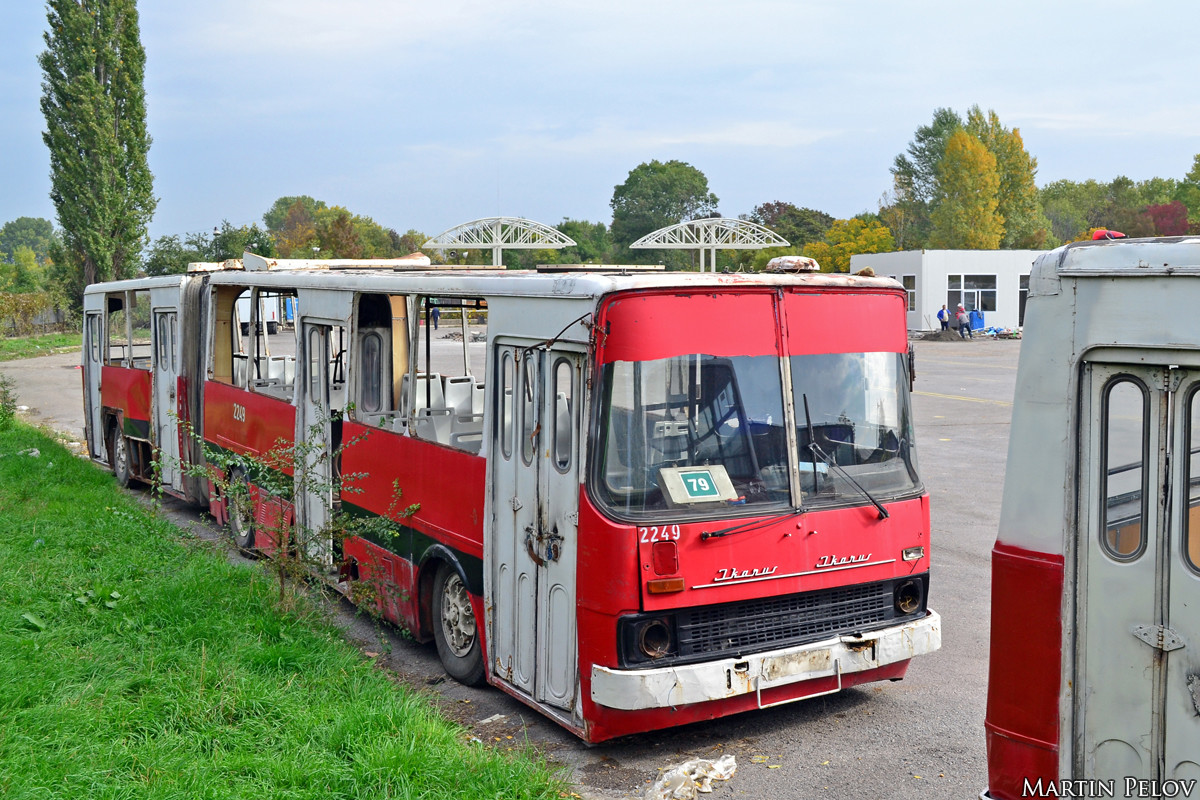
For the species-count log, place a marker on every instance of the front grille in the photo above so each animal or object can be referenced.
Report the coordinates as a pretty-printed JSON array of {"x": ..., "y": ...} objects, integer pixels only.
[
  {"x": 779, "y": 621},
  {"x": 753, "y": 626}
]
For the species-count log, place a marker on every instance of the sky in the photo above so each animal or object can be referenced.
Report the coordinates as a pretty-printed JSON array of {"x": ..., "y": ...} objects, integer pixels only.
[{"x": 428, "y": 114}]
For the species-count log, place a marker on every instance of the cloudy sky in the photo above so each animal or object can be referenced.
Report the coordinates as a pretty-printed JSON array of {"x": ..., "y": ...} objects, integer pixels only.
[{"x": 427, "y": 114}]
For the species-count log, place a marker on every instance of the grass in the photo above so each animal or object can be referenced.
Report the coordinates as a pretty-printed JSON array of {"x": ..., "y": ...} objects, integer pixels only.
[
  {"x": 43, "y": 345},
  {"x": 134, "y": 663}
]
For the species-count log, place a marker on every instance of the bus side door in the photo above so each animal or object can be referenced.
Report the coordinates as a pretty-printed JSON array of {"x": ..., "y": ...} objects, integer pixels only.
[
  {"x": 314, "y": 441},
  {"x": 93, "y": 333},
  {"x": 1137, "y": 681},
  {"x": 531, "y": 548},
  {"x": 165, "y": 406}
]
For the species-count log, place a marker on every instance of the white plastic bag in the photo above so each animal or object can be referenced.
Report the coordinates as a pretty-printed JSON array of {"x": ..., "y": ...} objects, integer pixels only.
[{"x": 686, "y": 780}]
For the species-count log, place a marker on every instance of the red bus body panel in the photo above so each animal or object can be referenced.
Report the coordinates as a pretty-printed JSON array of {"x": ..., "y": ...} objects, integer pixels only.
[
  {"x": 268, "y": 423},
  {"x": 446, "y": 483},
  {"x": 128, "y": 390},
  {"x": 1025, "y": 671}
]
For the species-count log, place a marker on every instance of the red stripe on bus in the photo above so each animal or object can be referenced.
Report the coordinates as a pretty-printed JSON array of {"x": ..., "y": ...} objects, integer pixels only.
[{"x": 1025, "y": 672}]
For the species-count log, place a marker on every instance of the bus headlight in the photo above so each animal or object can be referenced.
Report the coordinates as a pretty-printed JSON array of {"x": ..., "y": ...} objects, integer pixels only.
[
  {"x": 645, "y": 639},
  {"x": 655, "y": 639},
  {"x": 908, "y": 596}
]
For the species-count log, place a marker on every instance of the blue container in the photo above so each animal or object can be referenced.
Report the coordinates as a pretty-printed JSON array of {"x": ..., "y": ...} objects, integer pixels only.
[{"x": 976, "y": 320}]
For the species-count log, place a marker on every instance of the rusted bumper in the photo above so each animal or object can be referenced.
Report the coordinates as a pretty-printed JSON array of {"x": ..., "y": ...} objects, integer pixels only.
[{"x": 631, "y": 690}]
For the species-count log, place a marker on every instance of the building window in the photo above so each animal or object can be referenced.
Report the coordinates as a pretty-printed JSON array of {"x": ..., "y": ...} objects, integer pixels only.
[
  {"x": 973, "y": 291},
  {"x": 910, "y": 286}
]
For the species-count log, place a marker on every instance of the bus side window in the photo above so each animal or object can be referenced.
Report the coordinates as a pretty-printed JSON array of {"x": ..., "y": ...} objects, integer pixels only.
[
  {"x": 140, "y": 347},
  {"x": 94, "y": 337},
  {"x": 230, "y": 364},
  {"x": 1191, "y": 523},
  {"x": 117, "y": 347},
  {"x": 504, "y": 401},
  {"x": 379, "y": 360},
  {"x": 563, "y": 429},
  {"x": 1124, "y": 437}
]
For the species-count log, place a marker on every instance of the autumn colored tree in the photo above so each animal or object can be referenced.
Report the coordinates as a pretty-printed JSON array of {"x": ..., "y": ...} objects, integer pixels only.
[
  {"x": 849, "y": 237},
  {"x": 1170, "y": 219},
  {"x": 296, "y": 233},
  {"x": 93, "y": 100},
  {"x": 339, "y": 239},
  {"x": 1025, "y": 226},
  {"x": 965, "y": 215}
]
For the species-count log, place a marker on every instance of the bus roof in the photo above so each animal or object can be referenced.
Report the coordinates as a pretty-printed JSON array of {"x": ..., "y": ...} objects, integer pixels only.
[{"x": 492, "y": 281}]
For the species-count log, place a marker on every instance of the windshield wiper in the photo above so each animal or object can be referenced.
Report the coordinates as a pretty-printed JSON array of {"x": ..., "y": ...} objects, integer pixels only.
[
  {"x": 815, "y": 449},
  {"x": 750, "y": 526}
]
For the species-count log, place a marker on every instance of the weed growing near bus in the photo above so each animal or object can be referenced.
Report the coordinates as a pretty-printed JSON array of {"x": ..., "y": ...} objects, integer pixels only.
[
  {"x": 133, "y": 665},
  {"x": 299, "y": 552},
  {"x": 8, "y": 402}
]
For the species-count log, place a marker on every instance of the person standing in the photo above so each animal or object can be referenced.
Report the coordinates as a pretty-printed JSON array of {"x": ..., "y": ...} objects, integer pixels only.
[
  {"x": 964, "y": 323},
  {"x": 944, "y": 318}
]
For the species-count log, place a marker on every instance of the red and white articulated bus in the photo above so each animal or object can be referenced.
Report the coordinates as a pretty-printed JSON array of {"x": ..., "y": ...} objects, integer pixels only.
[
  {"x": 642, "y": 498},
  {"x": 1094, "y": 684}
]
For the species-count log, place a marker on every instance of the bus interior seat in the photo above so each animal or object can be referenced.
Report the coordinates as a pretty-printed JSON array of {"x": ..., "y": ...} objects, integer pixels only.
[{"x": 458, "y": 393}]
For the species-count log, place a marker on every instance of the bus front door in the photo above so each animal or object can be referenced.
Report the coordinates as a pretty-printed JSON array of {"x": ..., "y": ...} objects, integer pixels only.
[
  {"x": 1137, "y": 676},
  {"x": 532, "y": 550}
]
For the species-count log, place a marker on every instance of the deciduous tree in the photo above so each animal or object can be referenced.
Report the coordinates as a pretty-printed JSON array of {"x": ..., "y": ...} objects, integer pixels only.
[
  {"x": 849, "y": 237},
  {"x": 94, "y": 104},
  {"x": 1170, "y": 219},
  {"x": 798, "y": 225},
  {"x": 23, "y": 275},
  {"x": 964, "y": 210},
  {"x": 1187, "y": 191},
  {"x": 654, "y": 195},
  {"x": 1017, "y": 197},
  {"x": 914, "y": 176},
  {"x": 33, "y": 232}
]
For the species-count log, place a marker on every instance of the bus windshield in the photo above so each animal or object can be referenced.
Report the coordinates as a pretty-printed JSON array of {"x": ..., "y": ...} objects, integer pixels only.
[
  {"x": 853, "y": 407},
  {"x": 727, "y": 414}
]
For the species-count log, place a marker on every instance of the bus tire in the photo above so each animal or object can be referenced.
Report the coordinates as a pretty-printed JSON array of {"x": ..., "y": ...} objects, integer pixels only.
[
  {"x": 454, "y": 628},
  {"x": 119, "y": 454},
  {"x": 240, "y": 508}
]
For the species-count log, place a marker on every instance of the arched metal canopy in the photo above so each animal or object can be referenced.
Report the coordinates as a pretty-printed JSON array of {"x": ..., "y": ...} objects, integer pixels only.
[
  {"x": 717, "y": 233},
  {"x": 500, "y": 233}
]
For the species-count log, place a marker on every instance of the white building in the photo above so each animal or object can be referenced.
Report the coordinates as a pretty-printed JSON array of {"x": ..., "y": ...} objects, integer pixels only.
[{"x": 994, "y": 281}]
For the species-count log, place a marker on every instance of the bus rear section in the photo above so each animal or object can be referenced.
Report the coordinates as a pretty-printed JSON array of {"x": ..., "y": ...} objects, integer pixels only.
[
  {"x": 1094, "y": 681},
  {"x": 751, "y": 528}
]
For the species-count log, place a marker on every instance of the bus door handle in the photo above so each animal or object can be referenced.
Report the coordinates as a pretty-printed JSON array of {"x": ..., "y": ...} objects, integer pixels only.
[{"x": 542, "y": 548}]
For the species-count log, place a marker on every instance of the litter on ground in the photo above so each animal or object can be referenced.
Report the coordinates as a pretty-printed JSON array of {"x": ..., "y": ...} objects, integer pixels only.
[{"x": 684, "y": 781}]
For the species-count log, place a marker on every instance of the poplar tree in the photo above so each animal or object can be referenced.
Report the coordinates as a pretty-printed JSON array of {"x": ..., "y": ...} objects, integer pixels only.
[
  {"x": 964, "y": 210},
  {"x": 95, "y": 107}
]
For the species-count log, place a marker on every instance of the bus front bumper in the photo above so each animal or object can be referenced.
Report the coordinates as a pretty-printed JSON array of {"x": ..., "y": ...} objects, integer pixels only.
[{"x": 634, "y": 689}]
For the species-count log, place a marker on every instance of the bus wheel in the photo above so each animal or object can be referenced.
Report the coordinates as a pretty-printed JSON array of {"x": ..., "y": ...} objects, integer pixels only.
[
  {"x": 120, "y": 456},
  {"x": 240, "y": 508},
  {"x": 454, "y": 628}
]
